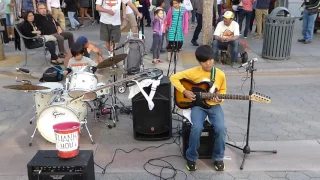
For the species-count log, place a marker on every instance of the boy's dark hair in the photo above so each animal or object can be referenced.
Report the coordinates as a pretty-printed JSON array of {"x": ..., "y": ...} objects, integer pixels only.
[
  {"x": 76, "y": 49},
  {"x": 159, "y": 2},
  {"x": 204, "y": 53}
]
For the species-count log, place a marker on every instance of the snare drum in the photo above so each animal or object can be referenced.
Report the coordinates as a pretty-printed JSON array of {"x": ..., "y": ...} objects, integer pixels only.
[
  {"x": 43, "y": 97},
  {"x": 102, "y": 92},
  {"x": 60, "y": 111},
  {"x": 82, "y": 82}
]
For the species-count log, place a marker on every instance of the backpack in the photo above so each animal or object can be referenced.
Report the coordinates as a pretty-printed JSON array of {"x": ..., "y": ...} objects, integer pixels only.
[{"x": 52, "y": 74}]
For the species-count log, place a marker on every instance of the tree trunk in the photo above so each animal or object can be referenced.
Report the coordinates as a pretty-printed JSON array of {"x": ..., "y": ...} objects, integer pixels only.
[{"x": 207, "y": 22}]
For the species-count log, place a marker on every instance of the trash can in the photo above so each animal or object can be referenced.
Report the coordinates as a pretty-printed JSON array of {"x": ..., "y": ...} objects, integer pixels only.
[{"x": 277, "y": 36}]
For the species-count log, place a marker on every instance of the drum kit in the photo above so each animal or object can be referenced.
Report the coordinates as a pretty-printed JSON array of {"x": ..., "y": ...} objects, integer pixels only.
[{"x": 55, "y": 103}]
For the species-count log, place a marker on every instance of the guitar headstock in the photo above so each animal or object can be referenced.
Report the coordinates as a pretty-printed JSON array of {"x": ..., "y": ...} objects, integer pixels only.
[
  {"x": 260, "y": 98},
  {"x": 151, "y": 73}
]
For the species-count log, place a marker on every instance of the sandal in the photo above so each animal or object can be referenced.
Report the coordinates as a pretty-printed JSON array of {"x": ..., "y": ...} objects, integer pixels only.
[{"x": 159, "y": 61}]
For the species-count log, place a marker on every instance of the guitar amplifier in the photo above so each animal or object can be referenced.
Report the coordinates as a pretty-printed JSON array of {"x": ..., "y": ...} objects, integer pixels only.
[
  {"x": 47, "y": 165},
  {"x": 206, "y": 140}
]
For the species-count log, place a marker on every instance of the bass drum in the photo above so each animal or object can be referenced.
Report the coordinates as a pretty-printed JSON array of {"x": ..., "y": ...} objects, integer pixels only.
[{"x": 58, "y": 112}]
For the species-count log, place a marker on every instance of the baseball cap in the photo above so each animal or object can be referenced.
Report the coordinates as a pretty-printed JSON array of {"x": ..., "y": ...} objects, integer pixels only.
[
  {"x": 82, "y": 40},
  {"x": 228, "y": 15}
]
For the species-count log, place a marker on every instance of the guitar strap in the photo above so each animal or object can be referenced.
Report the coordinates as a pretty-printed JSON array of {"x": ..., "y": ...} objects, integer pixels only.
[{"x": 213, "y": 75}]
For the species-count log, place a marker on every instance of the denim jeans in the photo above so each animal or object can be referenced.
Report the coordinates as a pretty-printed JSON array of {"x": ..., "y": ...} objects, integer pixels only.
[
  {"x": 216, "y": 45},
  {"x": 157, "y": 45},
  {"x": 247, "y": 14},
  {"x": 216, "y": 117},
  {"x": 308, "y": 25},
  {"x": 73, "y": 21},
  {"x": 193, "y": 16},
  {"x": 153, "y": 45}
]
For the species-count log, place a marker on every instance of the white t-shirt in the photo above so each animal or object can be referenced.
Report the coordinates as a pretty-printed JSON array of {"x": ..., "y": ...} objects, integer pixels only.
[
  {"x": 80, "y": 65},
  {"x": 227, "y": 31},
  {"x": 113, "y": 5},
  {"x": 129, "y": 10}
]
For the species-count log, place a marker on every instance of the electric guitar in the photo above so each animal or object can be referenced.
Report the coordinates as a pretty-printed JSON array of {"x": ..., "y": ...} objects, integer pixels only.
[{"x": 201, "y": 90}]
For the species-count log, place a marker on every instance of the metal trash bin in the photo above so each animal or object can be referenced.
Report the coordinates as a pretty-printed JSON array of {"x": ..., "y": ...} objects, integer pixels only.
[{"x": 277, "y": 36}]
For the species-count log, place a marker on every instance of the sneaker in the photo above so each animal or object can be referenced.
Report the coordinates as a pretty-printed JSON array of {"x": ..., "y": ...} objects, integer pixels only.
[
  {"x": 81, "y": 25},
  {"x": 191, "y": 166},
  {"x": 307, "y": 42},
  {"x": 233, "y": 65},
  {"x": 72, "y": 29},
  {"x": 301, "y": 40},
  {"x": 92, "y": 23},
  {"x": 194, "y": 43},
  {"x": 219, "y": 165}
]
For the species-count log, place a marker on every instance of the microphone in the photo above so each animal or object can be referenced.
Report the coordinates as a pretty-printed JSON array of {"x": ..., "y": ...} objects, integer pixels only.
[
  {"x": 249, "y": 62},
  {"x": 23, "y": 70}
]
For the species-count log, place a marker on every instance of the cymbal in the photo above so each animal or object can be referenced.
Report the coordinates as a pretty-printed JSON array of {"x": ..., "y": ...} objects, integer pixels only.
[
  {"x": 111, "y": 61},
  {"x": 26, "y": 87},
  {"x": 111, "y": 72}
]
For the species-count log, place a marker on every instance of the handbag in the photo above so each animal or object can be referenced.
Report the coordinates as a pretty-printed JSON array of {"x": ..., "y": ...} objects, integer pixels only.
[{"x": 49, "y": 38}]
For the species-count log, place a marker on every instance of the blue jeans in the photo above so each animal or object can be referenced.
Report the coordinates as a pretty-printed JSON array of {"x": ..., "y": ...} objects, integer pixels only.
[
  {"x": 247, "y": 14},
  {"x": 216, "y": 117},
  {"x": 193, "y": 16},
  {"x": 73, "y": 21},
  {"x": 157, "y": 42},
  {"x": 152, "y": 47},
  {"x": 216, "y": 45},
  {"x": 308, "y": 25}
]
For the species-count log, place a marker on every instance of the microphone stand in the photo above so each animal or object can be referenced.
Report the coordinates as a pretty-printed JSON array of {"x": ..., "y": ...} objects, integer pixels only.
[
  {"x": 174, "y": 51},
  {"x": 246, "y": 149}
]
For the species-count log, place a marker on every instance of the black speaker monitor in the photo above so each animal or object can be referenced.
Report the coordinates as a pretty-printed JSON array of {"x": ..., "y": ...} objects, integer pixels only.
[
  {"x": 155, "y": 124},
  {"x": 47, "y": 165}
]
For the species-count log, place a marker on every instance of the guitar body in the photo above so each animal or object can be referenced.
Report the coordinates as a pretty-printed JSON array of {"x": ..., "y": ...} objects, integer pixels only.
[{"x": 185, "y": 103}]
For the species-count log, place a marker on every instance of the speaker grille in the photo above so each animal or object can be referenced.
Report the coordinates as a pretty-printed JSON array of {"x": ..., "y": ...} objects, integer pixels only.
[{"x": 157, "y": 123}]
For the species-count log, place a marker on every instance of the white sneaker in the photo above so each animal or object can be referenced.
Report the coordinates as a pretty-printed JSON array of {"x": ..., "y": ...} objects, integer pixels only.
[{"x": 110, "y": 53}]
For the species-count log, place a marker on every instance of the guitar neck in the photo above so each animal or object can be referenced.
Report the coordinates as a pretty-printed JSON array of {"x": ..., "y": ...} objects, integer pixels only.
[{"x": 224, "y": 96}]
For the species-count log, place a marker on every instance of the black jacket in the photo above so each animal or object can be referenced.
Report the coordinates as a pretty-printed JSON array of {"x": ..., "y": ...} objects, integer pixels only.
[
  {"x": 26, "y": 30},
  {"x": 312, "y": 6},
  {"x": 46, "y": 24}
]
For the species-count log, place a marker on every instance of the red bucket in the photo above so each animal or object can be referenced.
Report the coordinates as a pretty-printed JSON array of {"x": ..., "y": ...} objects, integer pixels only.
[{"x": 67, "y": 139}]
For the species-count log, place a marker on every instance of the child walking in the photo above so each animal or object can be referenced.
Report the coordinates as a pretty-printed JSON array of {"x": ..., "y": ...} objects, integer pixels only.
[
  {"x": 177, "y": 21},
  {"x": 158, "y": 32}
]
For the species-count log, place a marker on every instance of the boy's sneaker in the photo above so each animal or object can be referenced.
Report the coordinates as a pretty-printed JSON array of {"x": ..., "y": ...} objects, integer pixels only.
[
  {"x": 191, "y": 166},
  {"x": 219, "y": 165}
]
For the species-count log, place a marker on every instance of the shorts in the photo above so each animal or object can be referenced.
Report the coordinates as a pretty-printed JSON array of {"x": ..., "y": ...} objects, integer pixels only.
[
  {"x": 176, "y": 45},
  {"x": 132, "y": 20},
  {"x": 9, "y": 20},
  {"x": 110, "y": 33}
]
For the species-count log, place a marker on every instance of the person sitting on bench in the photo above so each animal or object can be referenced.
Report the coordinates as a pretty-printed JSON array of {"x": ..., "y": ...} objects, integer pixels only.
[{"x": 226, "y": 33}]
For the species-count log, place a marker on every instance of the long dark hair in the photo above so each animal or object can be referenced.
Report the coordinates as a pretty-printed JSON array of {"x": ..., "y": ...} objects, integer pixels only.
[{"x": 25, "y": 15}]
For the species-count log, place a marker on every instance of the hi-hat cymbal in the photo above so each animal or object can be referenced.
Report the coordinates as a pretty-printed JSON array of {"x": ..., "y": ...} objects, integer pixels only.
[
  {"x": 111, "y": 61},
  {"x": 26, "y": 87}
]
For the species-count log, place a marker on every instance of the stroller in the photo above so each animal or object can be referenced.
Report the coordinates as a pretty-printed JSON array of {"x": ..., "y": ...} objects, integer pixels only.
[{"x": 133, "y": 64}]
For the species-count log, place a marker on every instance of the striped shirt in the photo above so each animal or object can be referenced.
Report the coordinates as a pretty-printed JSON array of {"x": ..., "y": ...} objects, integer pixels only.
[{"x": 172, "y": 30}]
